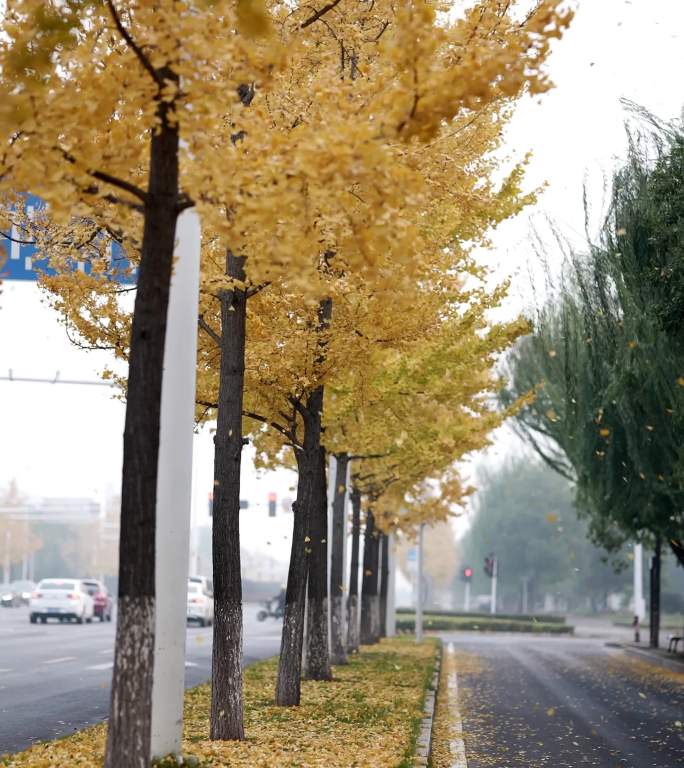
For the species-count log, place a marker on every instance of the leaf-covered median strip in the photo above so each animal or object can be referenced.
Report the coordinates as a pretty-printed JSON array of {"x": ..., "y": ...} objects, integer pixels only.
[
  {"x": 437, "y": 623},
  {"x": 368, "y": 716}
]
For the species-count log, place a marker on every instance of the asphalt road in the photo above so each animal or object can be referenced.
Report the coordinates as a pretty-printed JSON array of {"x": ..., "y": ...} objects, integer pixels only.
[
  {"x": 55, "y": 678},
  {"x": 530, "y": 702}
]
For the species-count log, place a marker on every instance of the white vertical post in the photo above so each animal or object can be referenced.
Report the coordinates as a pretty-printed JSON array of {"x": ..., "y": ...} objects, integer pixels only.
[
  {"x": 391, "y": 617},
  {"x": 332, "y": 473},
  {"x": 639, "y": 602},
  {"x": 174, "y": 490},
  {"x": 466, "y": 601},
  {"x": 419, "y": 590},
  {"x": 495, "y": 575}
]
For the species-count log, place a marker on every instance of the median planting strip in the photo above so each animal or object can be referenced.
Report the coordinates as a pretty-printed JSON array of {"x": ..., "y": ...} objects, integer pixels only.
[{"x": 369, "y": 715}]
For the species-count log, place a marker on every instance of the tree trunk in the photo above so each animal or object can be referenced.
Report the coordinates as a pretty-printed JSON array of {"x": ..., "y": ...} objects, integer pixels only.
[
  {"x": 317, "y": 651},
  {"x": 226, "y": 667},
  {"x": 309, "y": 485},
  {"x": 384, "y": 583},
  {"x": 375, "y": 587},
  {"x": 655, "y": 596},
  {"x": 128, "y": 735},
  {"x": 338, "y": 651},
  {"x": 369, "y": 584},
  {"x": 353, "y": 597}
]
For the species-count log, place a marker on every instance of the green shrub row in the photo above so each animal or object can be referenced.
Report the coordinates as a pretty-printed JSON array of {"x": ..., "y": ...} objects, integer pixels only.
[
  {"x": 542, "y": 617},
  {"x": 484, "y": 624}
]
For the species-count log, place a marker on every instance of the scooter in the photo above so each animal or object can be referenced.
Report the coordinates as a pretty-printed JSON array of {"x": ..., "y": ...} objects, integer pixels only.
[{"x": 272, "y": 610}]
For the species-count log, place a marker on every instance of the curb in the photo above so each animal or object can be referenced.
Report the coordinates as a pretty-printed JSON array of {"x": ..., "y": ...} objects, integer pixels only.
[
  {"x": 424, "y": 740},
  {"x": 672, "y": 666}
]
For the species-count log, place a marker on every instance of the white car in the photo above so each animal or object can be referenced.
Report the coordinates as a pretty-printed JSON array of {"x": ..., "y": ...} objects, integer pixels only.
[
  {"x": 200, "y": 603},
  {"x": 62, "y": 599}
]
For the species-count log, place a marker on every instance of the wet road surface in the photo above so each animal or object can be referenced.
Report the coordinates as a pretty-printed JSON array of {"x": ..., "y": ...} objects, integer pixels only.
[
  {"x": 55, "y": 678},
  {"x": 531, "y": 702}
]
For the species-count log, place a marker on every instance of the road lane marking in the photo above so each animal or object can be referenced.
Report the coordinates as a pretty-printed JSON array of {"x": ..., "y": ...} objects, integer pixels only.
[
  {"x": 106, "y": 665},
  {"x": 191, "y": 664},
  {"x": 60, "y": 660},
  {"x": 108, "y": 652},
  {"x": 7, "y": 669},
  {"x": 456, "y": 744}
]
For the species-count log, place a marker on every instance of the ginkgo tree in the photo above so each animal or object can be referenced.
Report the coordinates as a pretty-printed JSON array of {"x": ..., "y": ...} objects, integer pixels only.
[
  {"x": 95, "y": 98},
  {"x": 313, "y": 180}
]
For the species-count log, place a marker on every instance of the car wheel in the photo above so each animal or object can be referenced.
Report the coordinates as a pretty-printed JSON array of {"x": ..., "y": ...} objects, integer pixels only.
[
  {"x": 109, "y": 617},
  {"x": 101, "y": 617},
  {"x": 33, "y": 618},
  {"x": 43, "y": 619},
  {"x": 79, "y": 619},
  {"x": 89, "y": 620}
]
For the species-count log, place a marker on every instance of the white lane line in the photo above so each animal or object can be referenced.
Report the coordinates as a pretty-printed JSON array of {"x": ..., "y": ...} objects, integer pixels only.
[
  {"x": 60, "y": 660},
  {"x": 7, "y": 669},
  {"x": 108, "y": 652},
  {"x": 106, "y": 665},
  {"x": 191, "y": 664},
  {"x": 457, "y": 744}
]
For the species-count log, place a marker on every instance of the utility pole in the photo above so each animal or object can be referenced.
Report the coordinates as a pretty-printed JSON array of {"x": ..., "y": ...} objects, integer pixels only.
[
  {"x": 419, "y": 590},
  {"x": 174, "y": 490}
]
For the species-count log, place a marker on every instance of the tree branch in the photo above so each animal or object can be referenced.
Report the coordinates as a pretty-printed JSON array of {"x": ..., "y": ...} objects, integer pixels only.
[
  {"x": 137, "y": 50},
  {"x": 209, "y": 330},
  {"x": 318, "y": 14},
  {"x": 283, "y": 431}
]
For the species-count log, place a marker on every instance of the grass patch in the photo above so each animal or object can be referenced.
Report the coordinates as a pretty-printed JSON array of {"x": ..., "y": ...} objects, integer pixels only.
[
  {"x": 441, "y": 623},
  {"x": 367, "y": 716}
]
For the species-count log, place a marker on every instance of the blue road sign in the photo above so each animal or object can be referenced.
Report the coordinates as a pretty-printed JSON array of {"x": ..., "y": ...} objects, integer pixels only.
[{"x": 21, "y": 262}]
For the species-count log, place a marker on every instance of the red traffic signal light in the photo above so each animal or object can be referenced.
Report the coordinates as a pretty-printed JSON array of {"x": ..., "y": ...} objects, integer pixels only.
[
  {"x": 272, "y": 498},
  {"x": 467, "y": 574}
]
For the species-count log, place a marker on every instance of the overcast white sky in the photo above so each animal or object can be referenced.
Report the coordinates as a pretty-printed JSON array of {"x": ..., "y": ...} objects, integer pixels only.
[{"x": 66, "y": 440}]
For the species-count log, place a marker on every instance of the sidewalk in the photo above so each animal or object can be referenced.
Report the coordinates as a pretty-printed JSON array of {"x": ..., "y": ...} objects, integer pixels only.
[{"x": 658, "y": 656}]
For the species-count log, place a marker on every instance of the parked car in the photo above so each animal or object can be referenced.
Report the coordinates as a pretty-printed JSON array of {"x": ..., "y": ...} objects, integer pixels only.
[
  {"x": 102, "y": 602},
  {"x": 62, "y": 599},
  {"x": 8, "y": 597},
  {"x": 23, "y": 589},
  {"x": 200, "y": 604}
]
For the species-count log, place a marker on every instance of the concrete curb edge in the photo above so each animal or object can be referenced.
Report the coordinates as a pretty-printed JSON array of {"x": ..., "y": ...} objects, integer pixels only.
[
  {"x": 637, "y": 653},
  {"x": 424, "y": 741}
]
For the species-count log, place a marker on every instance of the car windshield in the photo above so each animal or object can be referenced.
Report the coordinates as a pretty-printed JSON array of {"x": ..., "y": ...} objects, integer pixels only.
[
  {"x": 92, "y": 587},
  {"x": 57, "y": 585}
]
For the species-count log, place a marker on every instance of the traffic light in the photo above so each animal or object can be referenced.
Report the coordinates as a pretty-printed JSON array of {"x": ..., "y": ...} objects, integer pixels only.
[
  {"x": 272, "y": 498},
  {"x": 467, "y": 574},
  {"x": 490, "y": 564}
]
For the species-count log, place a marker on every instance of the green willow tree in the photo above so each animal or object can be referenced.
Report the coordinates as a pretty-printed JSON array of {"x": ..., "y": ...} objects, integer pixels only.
[{"x": 605, "y": 362}]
